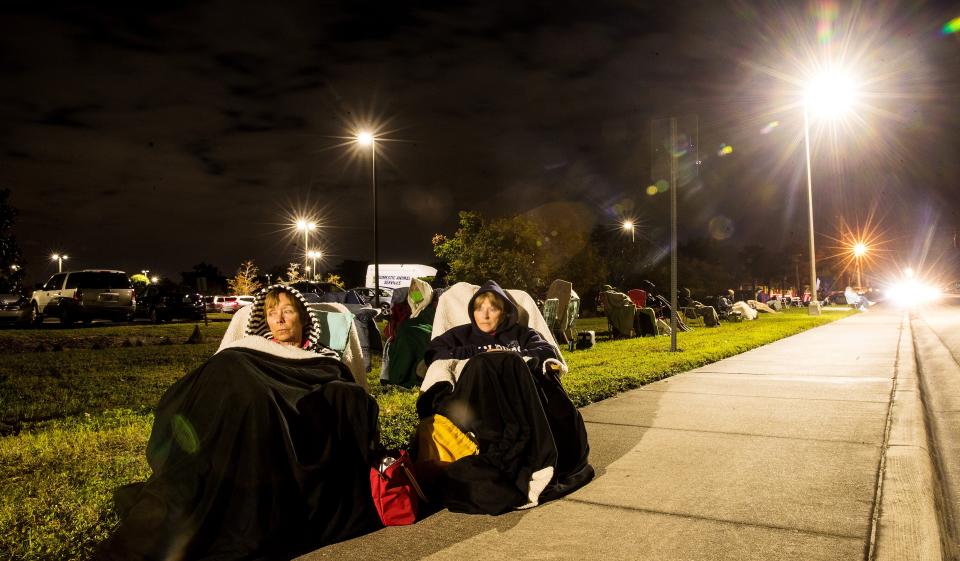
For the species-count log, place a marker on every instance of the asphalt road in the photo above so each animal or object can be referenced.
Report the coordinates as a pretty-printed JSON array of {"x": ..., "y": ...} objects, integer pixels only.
[{"x": 936, "y": 330}]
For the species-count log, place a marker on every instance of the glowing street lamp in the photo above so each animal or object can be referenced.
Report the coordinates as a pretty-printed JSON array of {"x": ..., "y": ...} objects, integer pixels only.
[
  {"x": 59, "y": 258},
  {"x": 364, "y": 139},
  {"x": 314, "y": 255},
  {"x": 828, "y": 95},
  {"x": 859, "y": 250},
  {"x": 628, "y": 226},
  {"x": 306, "y": 226}
]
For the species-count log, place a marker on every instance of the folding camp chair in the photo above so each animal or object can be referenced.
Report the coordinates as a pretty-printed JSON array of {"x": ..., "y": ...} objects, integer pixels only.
[
  {"x": 573, "y": 312},
  {"x": 638, "y": 296},
  {"x": 691, "y": 317},
  {"x": 452, "y": 311},
  {"x": 560, "y": 321},
  {"x": 550, "y": 306},
  {"x": 337, "y": 331}
]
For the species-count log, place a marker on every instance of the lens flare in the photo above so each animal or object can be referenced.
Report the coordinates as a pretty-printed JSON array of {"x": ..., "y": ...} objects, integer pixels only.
[
  {"x": 826, "y": 13},
  {"x": 184, "y": 434},
  {"x": 724, "y": 150},
  {"x": 912, "y": 292},
  {"x": 720, "y": 227},
  {"x": 652, "y": 190},
  {"x": 951, "y": 26},
  {"x": 769, "y": 127}
]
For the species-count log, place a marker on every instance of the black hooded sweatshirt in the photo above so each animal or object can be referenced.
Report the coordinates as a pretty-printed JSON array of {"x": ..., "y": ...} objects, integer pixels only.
[{"x": 465, "y": 341}]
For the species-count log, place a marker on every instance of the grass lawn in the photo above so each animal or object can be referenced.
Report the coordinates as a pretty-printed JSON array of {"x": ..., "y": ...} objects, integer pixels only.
[{"x": 75, "y": 422}]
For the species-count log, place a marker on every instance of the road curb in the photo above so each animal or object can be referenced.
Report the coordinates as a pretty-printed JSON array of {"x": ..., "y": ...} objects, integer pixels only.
[{"x": 906, "y": 526}]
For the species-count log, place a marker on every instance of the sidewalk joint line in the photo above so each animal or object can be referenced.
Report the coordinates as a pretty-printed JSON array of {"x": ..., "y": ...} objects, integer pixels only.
[
  {"x": 773, "y": 436},
  {"x": 787, "y": 374},
  {"x": 717, "y": 520}
]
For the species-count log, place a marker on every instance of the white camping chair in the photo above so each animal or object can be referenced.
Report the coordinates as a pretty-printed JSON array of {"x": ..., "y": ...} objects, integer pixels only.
[
  {"x": 337, "y": 332},
  {"x": 452, "y": 311}
]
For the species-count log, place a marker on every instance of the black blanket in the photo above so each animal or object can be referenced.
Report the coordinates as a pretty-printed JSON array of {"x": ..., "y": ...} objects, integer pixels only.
[
  {"x": 523, "y": 424},
  {"x": 253, "y": 457}
]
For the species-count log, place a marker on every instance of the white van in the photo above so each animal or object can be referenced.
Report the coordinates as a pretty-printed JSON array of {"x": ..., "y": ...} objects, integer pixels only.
[{"x": 398, "y": 276}]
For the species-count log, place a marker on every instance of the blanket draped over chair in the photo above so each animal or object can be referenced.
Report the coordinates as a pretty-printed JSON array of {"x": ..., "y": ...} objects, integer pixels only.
[{"x": 262, "y": 452}]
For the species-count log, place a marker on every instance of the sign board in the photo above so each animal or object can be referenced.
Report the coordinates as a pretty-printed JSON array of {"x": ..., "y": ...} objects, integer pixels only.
[{"x": 398, "y": 276}]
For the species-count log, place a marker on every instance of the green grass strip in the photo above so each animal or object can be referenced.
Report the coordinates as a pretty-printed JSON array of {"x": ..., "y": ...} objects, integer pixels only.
[{"x": 41, "y": 386}]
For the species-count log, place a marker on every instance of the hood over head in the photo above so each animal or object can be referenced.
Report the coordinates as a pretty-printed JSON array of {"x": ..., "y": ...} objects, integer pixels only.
[
  {"x": 257, "y": 324},
  {"x": 419, "y": 296},
  {"x": 509, "y": 310},
  {"x": 606, "y": 288}
]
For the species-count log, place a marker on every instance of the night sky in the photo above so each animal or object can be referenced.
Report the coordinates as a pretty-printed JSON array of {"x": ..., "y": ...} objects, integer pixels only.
[{"x": 194, "y": 131}]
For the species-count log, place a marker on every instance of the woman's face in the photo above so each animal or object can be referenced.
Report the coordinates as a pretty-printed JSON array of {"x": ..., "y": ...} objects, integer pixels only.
[
  {"x": 487, "y": 315},
  {"x": 284, "y": 321}
]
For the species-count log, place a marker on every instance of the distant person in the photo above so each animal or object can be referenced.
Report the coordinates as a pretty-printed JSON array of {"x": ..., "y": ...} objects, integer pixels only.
[
  {"x": 260, "y": 453},
  {"x": 620, "y": 311},
  {"x": 661, "y": 305},
  {"x": 855, "y": 300},
  {"x": 708, "y": 313}
]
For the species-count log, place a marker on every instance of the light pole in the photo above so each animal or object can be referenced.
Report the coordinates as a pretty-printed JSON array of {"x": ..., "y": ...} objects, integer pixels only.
[
  {"x": 306, "y": 226},
  {"x": 314, "y": 255},
  {"x": 629, "y": 226},
  {"x": 829, "y": 95},
  {"x": 59, "y": 258},
  {"x": 365, "y": 138}
]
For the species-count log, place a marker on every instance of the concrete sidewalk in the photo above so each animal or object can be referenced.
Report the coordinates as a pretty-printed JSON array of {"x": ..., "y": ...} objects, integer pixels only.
[{"x": 810, "y": 448}]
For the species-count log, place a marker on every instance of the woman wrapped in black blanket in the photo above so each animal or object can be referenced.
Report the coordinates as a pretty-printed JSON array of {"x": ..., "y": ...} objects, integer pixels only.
[
  {"x": 532, "y": 440},
  {"x": 261, "y": 453}
]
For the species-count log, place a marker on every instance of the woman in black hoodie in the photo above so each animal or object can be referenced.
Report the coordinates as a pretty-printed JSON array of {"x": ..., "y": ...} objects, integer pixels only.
[{"x": 532, "y": 441}]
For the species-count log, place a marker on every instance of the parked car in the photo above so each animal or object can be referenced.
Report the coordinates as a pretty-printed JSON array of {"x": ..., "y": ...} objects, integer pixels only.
[
  {"x": 164, "y": 302},
  {"x": 366, "y": 294},
  {"x": 319, "y": 287},
  {"x": 84, "y": 295},
  {"x": 13, "y": 307},
  {"x": 214, "y": 304},
  {"x": 315, "y": 292},
  {"x": 229, "y": 304}
]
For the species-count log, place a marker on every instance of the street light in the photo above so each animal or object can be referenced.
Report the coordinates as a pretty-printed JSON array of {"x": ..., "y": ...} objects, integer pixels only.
[
  {"x": 314, "y": 255},
  {"x": 366, "y": 138},
  {"x": 859, "y": 250},
  {"x": 59, "y": 258},
  {"x": 828, "y": 95},
  {"x": 306, "y": 226},
  {"x": 629, "y": 226}
]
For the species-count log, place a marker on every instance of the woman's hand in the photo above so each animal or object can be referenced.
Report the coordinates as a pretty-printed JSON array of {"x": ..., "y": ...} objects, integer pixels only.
[{"x": 463, "y": 353}]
